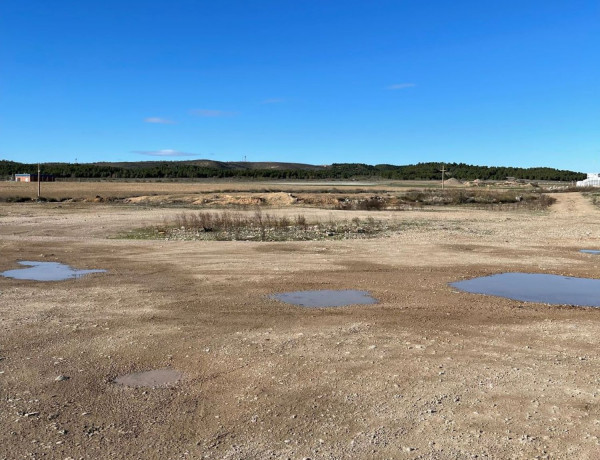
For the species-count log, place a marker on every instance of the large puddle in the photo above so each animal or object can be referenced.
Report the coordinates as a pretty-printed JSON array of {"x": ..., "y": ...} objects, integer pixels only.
[
  {"x": 46, "y": 271},
  {"x": 325, "y": 298},
  {"x": 590, "y": 251},
  {"x": 154, "y": 378},
  {"x": 536, "y": 287}
]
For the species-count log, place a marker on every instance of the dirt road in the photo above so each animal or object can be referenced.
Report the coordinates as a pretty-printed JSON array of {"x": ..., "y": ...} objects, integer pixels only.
[
  {"x": 428, "y": 372},
  {"x": 575, "y": 205}
]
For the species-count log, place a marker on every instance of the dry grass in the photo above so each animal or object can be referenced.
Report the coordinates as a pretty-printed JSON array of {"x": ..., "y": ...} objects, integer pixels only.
[
  {"x": 261, "y": 226},
  {"x": 418, "y": 198}
]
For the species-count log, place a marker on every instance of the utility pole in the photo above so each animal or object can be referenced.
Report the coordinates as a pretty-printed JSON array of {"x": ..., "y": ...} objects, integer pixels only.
[
  {"x": 443, "y": 170},
  {"x": 39, "y": 182}
]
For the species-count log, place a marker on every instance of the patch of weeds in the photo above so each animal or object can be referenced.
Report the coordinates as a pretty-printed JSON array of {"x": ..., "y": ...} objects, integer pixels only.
[
  {"x": 594, "y": 197},
  {"x": 486, "y": 199},
  {"x": 16, "y": 199},
  {"x": 259, "y": 226},
  {"x": 372, "y": 203},
  {"x": 26, "y": 199},
  {"x": 418, "y": 199},
  {"x": 145, "y": 233}
]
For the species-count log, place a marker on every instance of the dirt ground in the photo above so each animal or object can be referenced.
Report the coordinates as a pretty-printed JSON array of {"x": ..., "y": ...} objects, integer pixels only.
[
  {"x": 88, "y": 190},
  {"x": 427, "y": 373}
]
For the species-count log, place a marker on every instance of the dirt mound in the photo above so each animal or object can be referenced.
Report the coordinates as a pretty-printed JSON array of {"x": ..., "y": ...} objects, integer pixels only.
[
  {"x": 237, "y": 200},
  {"x": 217, "y": 199},
  {"x": 140, "y": 200},
  {"x": 452, "y": 182},
  {"x": 280, "y": 199}
]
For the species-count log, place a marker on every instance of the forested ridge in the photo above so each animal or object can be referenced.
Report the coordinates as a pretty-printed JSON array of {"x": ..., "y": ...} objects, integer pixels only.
[{"x": 246, "y": 170}]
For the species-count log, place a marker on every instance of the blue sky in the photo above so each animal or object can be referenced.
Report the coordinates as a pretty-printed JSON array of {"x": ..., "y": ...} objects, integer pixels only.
[{"x": 514, "y": 83}]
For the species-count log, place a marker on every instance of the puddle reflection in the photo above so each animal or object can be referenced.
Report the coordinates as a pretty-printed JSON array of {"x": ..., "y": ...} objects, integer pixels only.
[
  {"x": 46, "y": 271},
  {"x": 536, "y": 287}
]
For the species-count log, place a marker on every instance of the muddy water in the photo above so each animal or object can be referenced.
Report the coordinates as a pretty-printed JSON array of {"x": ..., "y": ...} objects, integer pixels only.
[
  {"x": 46, "y": 271},
  {"x": 154, "y": 378},
  {"x": 536, "y": 287},
  {"x": 325, "y": 298}
]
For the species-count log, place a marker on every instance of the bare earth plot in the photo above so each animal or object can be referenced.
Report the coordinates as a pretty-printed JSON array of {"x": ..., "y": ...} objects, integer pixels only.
[{"x": 428, "y": 372}]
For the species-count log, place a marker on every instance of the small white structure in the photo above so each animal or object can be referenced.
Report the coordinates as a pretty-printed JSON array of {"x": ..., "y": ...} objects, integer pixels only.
[{"x": 593, "y": 180}]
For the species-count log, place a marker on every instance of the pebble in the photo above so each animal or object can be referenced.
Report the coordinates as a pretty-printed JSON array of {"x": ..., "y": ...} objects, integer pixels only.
[{"x": 62, "y": 378}]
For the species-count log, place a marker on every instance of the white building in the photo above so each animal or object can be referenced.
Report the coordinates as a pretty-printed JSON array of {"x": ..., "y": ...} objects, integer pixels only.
[{"x": 593, "y": 180}]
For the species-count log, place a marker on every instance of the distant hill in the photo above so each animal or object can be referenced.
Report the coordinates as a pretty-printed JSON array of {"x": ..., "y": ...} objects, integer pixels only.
[
  {"x": 212, "y": 164},
  {"x": 195, "y": 169}
]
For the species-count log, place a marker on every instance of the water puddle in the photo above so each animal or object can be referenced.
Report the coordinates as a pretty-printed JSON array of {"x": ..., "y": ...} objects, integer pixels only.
[
  {"x": 325, "y": 298},
  {"x": 46, "y": 271},
  {"x": 155, "y": 378},
  {"x": 590, "y": 251},
  {"x": 536, "y": 287}
]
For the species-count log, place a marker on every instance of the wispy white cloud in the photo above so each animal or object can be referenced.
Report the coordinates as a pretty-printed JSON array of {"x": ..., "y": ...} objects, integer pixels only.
[
  {"x": 164, "y": 153},
  {"x": 212, "y": 113},
  {"x": 274, "y": 100},
  {"x": 397, "y": 86},
  {"x": 162, "y": 121}
]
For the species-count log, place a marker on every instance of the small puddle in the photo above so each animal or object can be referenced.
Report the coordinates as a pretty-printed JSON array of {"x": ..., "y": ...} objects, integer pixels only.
[
  {"x": 155, "y": 378},
  {"x": 590, "y": 251},
  {"x": 46, "y": 271},
  {"x": 536, "y": 287},
  {"x": 325, "y": 298}
]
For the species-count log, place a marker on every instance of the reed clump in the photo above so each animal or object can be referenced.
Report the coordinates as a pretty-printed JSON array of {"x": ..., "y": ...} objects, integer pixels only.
[{"x": 261, "y": 226}]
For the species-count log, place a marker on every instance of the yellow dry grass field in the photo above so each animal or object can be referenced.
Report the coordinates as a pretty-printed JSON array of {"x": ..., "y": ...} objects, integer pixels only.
[{"x": 429, "y": 372}]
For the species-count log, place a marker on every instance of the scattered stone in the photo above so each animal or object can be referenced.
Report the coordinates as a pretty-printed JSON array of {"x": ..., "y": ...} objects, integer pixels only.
[
  {"x": 152, "y": 379},
  {"x": 62, "y": 378}
]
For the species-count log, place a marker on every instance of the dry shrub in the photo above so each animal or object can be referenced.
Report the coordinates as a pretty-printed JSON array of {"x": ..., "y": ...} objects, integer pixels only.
[
  {"x": 374, "y": 203},
  {"x": 478, "y": 198},
  {"x": 228, "y": 221}
]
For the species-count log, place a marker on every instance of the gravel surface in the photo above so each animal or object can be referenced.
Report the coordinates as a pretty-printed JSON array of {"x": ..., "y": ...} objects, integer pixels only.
[{"x": 426, "y": 373}]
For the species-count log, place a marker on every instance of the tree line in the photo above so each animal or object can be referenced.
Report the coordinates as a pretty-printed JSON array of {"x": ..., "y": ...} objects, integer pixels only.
[{"x": 181, "y": 170}]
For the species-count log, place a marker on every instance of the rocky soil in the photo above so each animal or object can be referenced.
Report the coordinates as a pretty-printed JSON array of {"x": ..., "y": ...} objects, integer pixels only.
[{"x": 427, "y": 373}]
